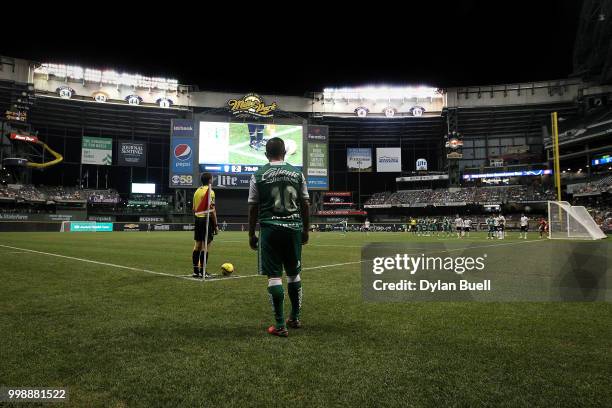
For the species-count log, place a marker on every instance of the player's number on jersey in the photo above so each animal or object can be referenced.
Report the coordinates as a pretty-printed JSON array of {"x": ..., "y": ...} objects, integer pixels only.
[{"x": 287, "y": 201}]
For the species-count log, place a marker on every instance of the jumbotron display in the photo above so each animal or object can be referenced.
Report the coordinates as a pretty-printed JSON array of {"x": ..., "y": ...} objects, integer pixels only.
[{"x": 240, "y": 147}]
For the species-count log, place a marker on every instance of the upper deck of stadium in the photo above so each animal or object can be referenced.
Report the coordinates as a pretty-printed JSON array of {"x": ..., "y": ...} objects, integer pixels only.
[{"x": 72, "y": 101}]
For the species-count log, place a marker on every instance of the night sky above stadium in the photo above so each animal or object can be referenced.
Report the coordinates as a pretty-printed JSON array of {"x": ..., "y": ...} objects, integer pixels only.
[{"x": 467, "y": 42}]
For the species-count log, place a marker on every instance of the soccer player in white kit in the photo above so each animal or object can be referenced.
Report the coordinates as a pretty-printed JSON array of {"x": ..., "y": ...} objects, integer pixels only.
[
  {"x": 459, "y": 226},
  {"x": 467, "y": 225},
  {"x": 496, "y": 225},
  {"x": 501, "y": 226},
  {"x": 366, "y": 226},
  {"x": 524, "y": 226}
]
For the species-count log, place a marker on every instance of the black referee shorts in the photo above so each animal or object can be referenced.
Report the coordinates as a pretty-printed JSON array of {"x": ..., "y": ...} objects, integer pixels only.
[{"x": 200, "y": 229}]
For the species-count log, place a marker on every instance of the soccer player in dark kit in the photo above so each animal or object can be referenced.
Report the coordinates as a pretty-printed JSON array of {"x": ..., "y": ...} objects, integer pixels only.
[
  {"x": 256, "y": 135},
  {"x": 278, "y": 198}
]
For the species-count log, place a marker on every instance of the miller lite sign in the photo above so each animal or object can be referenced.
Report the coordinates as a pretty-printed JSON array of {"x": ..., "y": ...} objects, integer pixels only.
[{"x": 232, "y": 180}]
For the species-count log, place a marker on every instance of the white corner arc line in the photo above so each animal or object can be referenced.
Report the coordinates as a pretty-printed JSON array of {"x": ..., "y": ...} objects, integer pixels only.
[
  {"x": 130, "y": 268},
  {"x": 186, "y": 277}
]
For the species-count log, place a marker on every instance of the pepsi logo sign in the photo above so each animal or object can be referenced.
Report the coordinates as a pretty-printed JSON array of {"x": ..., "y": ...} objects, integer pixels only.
[{"x": 182, "y": 152}]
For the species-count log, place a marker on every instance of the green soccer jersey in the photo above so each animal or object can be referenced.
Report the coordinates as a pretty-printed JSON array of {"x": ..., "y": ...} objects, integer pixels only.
[{"x": 279, "y": 188}]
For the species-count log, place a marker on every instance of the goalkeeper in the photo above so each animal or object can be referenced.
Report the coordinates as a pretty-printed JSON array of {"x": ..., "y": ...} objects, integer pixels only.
[{"x": 278, "y": 197}]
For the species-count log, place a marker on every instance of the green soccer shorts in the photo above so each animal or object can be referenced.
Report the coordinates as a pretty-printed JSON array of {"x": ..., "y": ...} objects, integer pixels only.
[{"x": 278, "y": 249}]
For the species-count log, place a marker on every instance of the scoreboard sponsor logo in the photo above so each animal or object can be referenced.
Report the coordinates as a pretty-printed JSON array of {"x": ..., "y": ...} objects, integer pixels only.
[
  {"x": 359, "y": 159},
  {"x": 388, "y": 159},
  {"x": 183, "y": 152},
  {"x": 100, "y": 218},
  {"x": 152, "y": 219},
  {"x": 318, "y": 182},
  {"x": 131, "y": 227},
  {"x": 317, "y": 134},
  {"x": 24, "y": 138},
  {"x": 182, "y": 156},
  {"x": 132, "y": 153},
  {"x": 421, "y": 165},
  {"x": 239, "y": 181},
  {"x": 251, "y": 105},
  {"x": 14, "y": 217},
  {"x": 183, "y": 127},
  {"x": 183, "y": 180},
  {"x": 91, "y": 226}
]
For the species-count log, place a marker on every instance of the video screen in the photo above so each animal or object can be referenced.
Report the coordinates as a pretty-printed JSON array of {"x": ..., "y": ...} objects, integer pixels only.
[
  {"x": 240, "y": 147},
  {"x": 143, "y": 188}
]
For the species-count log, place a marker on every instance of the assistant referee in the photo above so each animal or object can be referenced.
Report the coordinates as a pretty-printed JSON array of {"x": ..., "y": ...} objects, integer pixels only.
[{"x": 204, "y": 213}]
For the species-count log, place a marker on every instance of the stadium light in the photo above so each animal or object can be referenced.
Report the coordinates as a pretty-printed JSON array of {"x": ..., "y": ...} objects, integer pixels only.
[
  {"x": 381, "y": 93},
  {"x": 106, "y": 77}
]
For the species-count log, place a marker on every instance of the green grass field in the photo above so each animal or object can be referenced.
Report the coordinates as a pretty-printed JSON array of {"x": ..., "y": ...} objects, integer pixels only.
[
  {"x": 241, "y": 153},
  {"x": 119, "y": 337}
]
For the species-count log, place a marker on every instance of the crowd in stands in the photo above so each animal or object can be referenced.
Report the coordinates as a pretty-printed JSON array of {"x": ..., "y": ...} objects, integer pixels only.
[
  {"x": 599, "y": 186},
  {"x": 379, "y": 198},
  {"x": 22, "y": 193},
  {"x": 148, "y": 201},
  {"x": 30, "y": 193},
  {"x": 464, "y": 195},
  {"x": 600, "y": 208}
]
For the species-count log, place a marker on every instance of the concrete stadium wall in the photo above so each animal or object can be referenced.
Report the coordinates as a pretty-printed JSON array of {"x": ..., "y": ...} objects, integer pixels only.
[{"x": 15, "y": 69}]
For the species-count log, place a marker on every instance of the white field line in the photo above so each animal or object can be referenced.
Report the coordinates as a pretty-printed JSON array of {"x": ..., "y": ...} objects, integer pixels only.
[
  {"x": 188, "y": 277},
  {"x": 361, "y": 261},
  {"x": 130, "y": 268}
]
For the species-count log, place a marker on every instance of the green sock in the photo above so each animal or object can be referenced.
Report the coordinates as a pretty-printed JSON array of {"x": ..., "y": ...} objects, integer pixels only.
[
  {"x": 295, "y": 295},
  {"x": 277, "y": 298}
]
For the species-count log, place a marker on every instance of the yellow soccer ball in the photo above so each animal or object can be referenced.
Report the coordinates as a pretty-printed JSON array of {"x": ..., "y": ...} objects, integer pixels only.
[{"x": 227, "y": 269}]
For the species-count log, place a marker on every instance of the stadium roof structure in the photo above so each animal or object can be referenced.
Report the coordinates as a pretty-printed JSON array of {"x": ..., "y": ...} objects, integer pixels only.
[
  {"x": 526, "y": 120},
  {"x": 108, "y": 119},
  {"x": 353, "y": 130},
  {"x": 593, "y": 125}
]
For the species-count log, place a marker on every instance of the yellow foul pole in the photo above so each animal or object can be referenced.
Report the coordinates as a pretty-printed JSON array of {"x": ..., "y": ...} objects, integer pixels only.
[{"x": 556, "y": 164}]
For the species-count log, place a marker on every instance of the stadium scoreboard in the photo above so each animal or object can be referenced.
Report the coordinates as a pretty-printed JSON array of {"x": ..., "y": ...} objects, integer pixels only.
[{"x": 233, "y": 151}]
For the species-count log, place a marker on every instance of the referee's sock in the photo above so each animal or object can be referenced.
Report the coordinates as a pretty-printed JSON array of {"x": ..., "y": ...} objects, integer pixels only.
[{"x": 195, "y": 257}]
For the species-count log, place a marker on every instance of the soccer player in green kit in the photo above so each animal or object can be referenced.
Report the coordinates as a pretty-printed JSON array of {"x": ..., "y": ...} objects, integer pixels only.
[{"x": 278, "y": 197}]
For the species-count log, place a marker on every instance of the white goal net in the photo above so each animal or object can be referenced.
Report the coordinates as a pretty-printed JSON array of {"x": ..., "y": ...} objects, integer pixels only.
[{"x": 566, "y": 221}]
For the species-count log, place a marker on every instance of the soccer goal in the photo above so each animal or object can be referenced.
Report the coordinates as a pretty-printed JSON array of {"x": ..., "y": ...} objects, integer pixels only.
[
  {"x": 65, "y": 226},
  {"x": 566, "y": 221}
]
